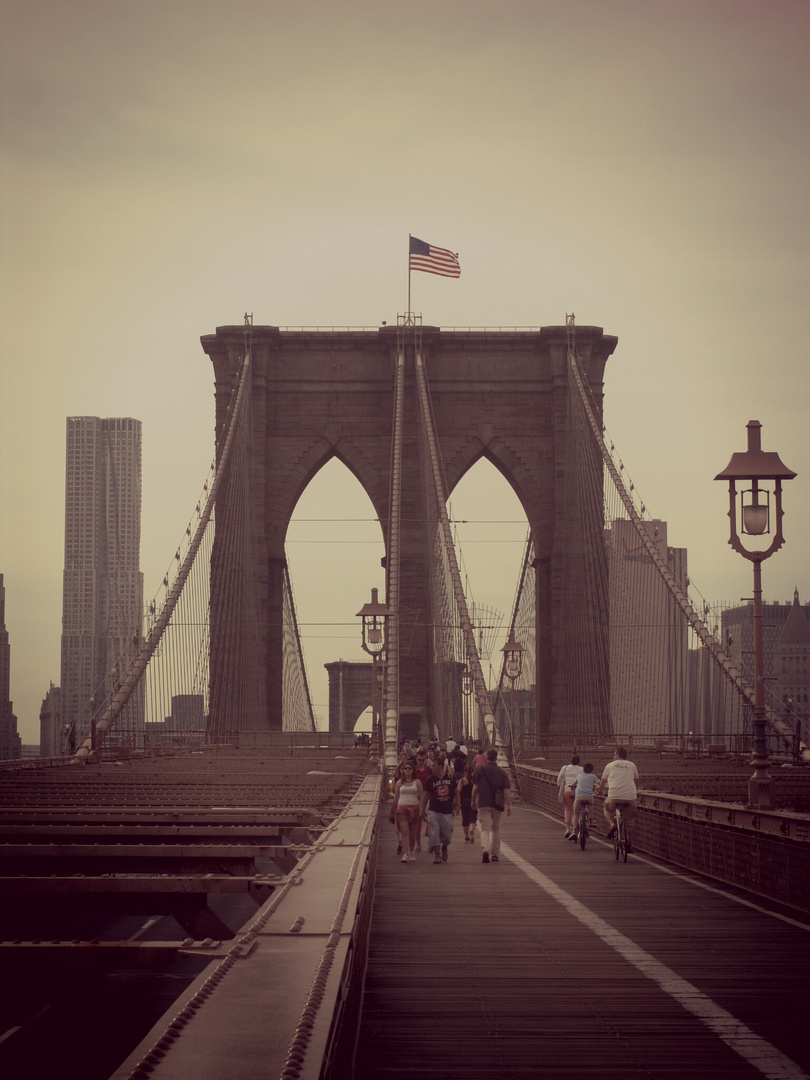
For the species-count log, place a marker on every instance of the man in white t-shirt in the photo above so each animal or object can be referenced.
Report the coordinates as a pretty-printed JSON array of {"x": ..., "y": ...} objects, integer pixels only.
[{"x": 620, "y": 776}]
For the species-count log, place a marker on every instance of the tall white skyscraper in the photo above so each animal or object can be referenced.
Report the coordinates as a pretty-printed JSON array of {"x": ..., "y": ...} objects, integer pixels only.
[{"x": 102, "y": 605}]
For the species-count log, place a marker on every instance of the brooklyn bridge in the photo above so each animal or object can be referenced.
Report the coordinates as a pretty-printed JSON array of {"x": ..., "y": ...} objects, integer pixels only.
[{"x": 229, "y": 901}]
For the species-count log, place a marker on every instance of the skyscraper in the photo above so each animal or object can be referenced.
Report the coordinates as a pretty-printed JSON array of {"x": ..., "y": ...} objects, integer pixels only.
[
  {"x": 10, "y": 743},
  {"x": 102, "y": 605},
  {"x": 791, "y": 668},
  {"x": 648, "y": 636}
]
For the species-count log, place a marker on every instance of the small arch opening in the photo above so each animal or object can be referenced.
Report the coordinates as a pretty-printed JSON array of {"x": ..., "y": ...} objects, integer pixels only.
[
  {"x": 334, "y": 546},
  {"x": 490, "y": 528}
]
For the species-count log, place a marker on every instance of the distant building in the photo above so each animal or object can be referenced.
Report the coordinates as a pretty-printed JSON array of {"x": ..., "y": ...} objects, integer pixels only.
[
  {"x": 785, "y": 655},
  {"x": 185, "y": 726},
  {"x": 10, "y": 743},
  {"x": 102, "y": 608},
  {"x": 648, "y": 635},
  {"x": 349, "y": 692},
  {"x": 791, "y": 669},
  {"x": 737, "y": 629},
  {"x": 51, "y": 729},
  {"x": 523, "y": 727},
  {"x": 188, "y": 713}
]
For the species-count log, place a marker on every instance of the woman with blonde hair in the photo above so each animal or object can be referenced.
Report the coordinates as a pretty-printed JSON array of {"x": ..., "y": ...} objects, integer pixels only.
[{"x": 405, "y": 811}]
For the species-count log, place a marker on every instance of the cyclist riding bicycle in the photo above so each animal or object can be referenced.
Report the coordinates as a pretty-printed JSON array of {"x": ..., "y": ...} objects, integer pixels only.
[
  {"x": 620, "y": 776},
  {"x": 583, "y": 788}
]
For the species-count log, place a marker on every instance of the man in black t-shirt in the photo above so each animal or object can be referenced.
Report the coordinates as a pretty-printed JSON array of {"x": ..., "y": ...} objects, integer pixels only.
[
  {"x": 440, "y": 798},
  {"x": 491, "y": 795}
]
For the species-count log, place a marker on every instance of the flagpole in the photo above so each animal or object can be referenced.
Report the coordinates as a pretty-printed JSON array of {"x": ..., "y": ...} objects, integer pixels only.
[{"x": 408, "y": 316}]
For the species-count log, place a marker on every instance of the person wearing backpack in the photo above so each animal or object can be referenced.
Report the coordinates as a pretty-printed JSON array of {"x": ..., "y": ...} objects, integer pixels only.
[{"x": 491, "y": 795}]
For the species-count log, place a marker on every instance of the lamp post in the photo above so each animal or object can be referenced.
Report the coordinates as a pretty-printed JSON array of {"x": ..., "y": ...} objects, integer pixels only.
[
  {"x": 513, "y": 666},
  {"x": 467, "y": 691},
  {"x": 763, "y": 473},
  {"x": 374, "y": 623}
]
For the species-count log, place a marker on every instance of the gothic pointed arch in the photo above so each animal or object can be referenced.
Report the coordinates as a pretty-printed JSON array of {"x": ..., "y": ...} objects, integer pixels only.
[{"x": 499, "y": 394}]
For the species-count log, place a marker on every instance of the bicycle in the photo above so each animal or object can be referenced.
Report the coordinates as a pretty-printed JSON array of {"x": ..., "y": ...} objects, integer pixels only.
[
  {"x": 583, "y": 828},
  {"x": 620, "y": 839}
]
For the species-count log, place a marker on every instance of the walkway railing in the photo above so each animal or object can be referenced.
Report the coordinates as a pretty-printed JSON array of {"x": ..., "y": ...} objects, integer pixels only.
[{"x": 764, "y": 852}]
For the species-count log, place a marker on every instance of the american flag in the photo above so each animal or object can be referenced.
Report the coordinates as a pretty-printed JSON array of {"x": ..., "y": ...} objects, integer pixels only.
[{"x": 433, "y": 260}]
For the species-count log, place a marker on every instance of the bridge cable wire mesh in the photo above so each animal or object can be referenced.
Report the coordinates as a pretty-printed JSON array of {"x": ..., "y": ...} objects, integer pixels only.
[
  {"x": 161, "y": 692},
  {"x": 453, "y": 637},
  {"x": 652, "y": 618}
]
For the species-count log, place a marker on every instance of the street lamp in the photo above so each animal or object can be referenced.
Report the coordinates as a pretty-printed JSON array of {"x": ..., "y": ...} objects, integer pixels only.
[
  {"x": 374, "y": 622},
  {"x": 513, "y": 666},
  {"x": 760, "y": 475}
]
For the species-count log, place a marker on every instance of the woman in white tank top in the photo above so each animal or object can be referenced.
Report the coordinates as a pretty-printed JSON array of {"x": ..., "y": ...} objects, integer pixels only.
[{"x": 405, "y": 811}]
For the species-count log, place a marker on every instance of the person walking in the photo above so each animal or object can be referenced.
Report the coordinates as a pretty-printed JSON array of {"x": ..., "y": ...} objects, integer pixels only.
[
  {"x": 565, "y": 778},
  {"x": 458, "y": 763},
  {"x": 492, "y": 794},
  {"x": 424, "y": 771},
  {"x": 440, "y": 799},
  {"x": 468, "y": 815},
  {"x": 405, "y": 811}
]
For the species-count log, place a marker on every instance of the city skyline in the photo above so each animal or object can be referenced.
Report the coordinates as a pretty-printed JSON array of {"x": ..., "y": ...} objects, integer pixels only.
[{"x": 643, "y": 166}]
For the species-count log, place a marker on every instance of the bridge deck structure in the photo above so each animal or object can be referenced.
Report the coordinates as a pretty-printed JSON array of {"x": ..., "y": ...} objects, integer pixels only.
[{"x": 290, "y": 941}]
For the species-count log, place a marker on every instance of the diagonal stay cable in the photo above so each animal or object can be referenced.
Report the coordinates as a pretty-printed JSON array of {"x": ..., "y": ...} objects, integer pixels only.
[
  {"x": 481, "y": 694},
  {"x": 696, "y": 622},
  {"x": 138, "y": 665}
]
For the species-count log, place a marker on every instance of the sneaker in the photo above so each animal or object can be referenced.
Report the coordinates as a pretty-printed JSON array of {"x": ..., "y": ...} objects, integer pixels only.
[
  {"x": 466, "y": 839},
  {"x": 485, "y": 857},
  {"x": 494, "y": 858},
  {"x": 444, "y": 852},
  {"x": 472, "y": 838},
  {"x": 411, "y": 857},
  {"x": 567, "y": 832},
  {"x": 399, "y": 849},
  {"x": 611, "y": 832},
  {"x": 437, "y": 859},
  {"x": 404, "y": 858},
  {"x": 572, "y": 836}
]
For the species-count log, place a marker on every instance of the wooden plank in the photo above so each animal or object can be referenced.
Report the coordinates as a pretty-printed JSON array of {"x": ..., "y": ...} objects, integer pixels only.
[{"x": 513, "y": 985}]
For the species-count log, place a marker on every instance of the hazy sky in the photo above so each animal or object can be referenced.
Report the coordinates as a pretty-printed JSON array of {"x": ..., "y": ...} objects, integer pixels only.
[{"x": 168, "y": 165}]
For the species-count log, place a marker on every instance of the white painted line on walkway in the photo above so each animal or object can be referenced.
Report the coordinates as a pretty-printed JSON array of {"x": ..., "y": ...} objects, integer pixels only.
[
  {"x": 771, "y": 1062},
  {"x": 682, "y": 875}
]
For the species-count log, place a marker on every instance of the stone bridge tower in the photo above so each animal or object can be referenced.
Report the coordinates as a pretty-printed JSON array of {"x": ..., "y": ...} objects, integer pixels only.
[{"x": 503, "y": 395}]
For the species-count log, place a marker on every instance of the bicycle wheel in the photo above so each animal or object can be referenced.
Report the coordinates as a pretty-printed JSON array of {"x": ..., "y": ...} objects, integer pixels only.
[
  {"x": 583, "y": 830},
  {"x": 623, "y": 832},
  {"x": 617, "y": 835}
]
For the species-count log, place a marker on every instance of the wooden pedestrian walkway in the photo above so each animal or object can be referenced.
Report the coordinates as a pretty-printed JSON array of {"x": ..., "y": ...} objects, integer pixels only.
[{"x": 559, "y": 963}]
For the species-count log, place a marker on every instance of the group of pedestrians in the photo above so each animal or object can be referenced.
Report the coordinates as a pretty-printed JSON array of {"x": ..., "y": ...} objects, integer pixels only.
[
  {"x": 578, "y": 783},
  {"x": 432, "y": 786}
]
